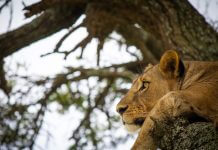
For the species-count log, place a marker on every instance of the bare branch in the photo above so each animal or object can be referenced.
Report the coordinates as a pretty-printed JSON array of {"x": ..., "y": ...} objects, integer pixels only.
[
  {"x": 39, "y": 28},
  {"x": 44, "y": 5},
  {"x": 60, "y": 42},
  {"x": 3, "y": 82},
  {"x": 133, "y": 54},
  {"x": 99, "y": 48},
  {"x": 4, "y": 4},
  {"x": 11, "y": 15},
  {"x": 81, "y": 44},
  {"x": 102, "y": 73},
  {"x": 58, "y": 45}
]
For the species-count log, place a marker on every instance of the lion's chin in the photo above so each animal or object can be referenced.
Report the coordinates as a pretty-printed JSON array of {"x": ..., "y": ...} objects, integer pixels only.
[
  {"x": 135, "y": 125},
  {"x": 132, "y": 128}
]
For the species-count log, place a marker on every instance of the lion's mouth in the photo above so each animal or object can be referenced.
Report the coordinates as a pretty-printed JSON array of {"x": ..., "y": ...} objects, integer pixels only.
[{"x": 137, "y": 121}]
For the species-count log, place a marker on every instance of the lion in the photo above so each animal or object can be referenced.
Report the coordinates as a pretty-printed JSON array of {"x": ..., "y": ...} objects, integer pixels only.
[{"x": 169, "y": 89}]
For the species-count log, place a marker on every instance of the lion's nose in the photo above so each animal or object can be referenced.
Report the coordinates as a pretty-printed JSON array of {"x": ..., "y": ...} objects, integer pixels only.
[{"x": 121, "y": 109}]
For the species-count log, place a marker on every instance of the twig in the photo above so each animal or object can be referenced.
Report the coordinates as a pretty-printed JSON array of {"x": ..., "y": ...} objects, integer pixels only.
[
  {"x": 98, "y": 99},
  {"x": 81, "y": 44},
  {"x": 11, "y": 16},
  {"x": 4, "y": 4},
  {"x": 133, "y": 54},
  {"x": 60, "y": 42},
  {"x": 43, "y": 55},
  {"x": 99, "y": 48},
  {"x": 58, "y": 45}
]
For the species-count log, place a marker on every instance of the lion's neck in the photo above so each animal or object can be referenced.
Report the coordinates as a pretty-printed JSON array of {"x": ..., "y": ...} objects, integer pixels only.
[{"x": 199, "y": 72}]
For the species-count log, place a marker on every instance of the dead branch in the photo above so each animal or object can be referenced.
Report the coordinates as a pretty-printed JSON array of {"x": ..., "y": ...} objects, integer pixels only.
[
  {"x": 81, "y": 44},
  {"x": 3, "y": 82},
  {"x": 39, "y": 28},
  {"x": 4, "y": 4},
  {"x": 102, "y": 73},
  {"x": 99, "y": 48},
  {"x": 11, "y": 15},
  {"x": 60, "y": 42}
]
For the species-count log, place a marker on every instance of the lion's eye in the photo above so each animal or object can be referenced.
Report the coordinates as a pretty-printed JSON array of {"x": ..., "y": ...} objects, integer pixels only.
[{"x": 145, "y": 85}]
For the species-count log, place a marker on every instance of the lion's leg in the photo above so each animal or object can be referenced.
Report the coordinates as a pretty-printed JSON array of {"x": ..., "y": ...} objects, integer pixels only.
[{"x": 170, "y": 105}]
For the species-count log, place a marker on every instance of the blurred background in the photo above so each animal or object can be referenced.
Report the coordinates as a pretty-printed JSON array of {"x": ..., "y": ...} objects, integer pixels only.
[{"x": 65, "y": 64}]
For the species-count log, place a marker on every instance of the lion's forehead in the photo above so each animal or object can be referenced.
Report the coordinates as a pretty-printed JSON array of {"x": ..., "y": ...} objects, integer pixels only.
[
  {"x": 146, "y": 76},
  {"x": 147, "y": 68},
  {"x": 148, "y": 73}
]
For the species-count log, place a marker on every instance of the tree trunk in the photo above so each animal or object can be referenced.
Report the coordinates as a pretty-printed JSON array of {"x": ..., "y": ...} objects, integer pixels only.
[{"x": 179, "y": 26}]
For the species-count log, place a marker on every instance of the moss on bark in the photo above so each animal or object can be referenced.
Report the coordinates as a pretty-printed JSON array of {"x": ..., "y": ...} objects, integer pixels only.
[{"x": 181, "y": 133}]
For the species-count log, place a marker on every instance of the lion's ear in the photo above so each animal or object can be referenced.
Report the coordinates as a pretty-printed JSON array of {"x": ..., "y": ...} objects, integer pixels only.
[{"x": 170, "y": 64}]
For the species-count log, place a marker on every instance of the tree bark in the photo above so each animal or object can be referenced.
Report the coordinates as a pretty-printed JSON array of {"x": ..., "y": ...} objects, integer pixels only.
[
  {"x": 175, "y": 24},
  {"x": 179, "y": 26},
  {"x": 181, "y": 133}
]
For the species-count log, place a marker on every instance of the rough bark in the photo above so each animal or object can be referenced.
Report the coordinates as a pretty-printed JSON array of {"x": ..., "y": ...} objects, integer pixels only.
[
  {"x": 179, "y": 26},
  {"x": 181, "y": 133},
  {"x": 175, "y": 24}
]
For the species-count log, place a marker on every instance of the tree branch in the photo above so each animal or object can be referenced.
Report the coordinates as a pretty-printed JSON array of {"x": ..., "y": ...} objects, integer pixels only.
[{"x": 51, "y": 21}]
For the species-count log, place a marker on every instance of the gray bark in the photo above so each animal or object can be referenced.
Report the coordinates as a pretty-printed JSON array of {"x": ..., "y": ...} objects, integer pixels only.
[{"x": 181, "y": 133}]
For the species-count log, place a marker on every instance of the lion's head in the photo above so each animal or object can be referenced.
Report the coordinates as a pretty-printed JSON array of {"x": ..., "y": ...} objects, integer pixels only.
[{"x": 148, "y": 88}]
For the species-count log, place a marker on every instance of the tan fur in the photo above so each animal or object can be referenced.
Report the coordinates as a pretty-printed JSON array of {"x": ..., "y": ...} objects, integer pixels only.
[
  {"x": 196, "y": 90},
  {"x": 169, "y": 58}
]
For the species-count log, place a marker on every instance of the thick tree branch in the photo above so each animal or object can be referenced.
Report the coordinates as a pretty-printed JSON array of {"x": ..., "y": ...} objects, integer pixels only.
[
  {"x": 51, "y": 21},
  {"x": 101, "y": 73}
]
